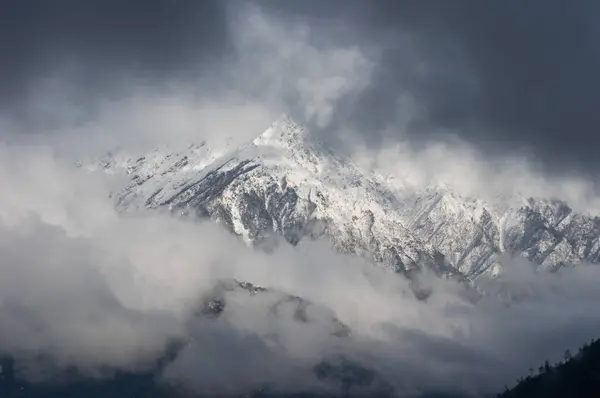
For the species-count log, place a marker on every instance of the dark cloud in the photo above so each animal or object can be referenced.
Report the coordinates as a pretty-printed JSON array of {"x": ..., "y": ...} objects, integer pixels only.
[
  {"x": 100, "y": 42},
  {"x": 505, "y": 75}
]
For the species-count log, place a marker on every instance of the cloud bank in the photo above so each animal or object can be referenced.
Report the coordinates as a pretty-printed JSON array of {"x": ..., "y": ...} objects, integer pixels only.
[
  {"x": 82, "y": 286},
  {"x": 503, "y": 76},
  {"x": 273, "y": 66}
]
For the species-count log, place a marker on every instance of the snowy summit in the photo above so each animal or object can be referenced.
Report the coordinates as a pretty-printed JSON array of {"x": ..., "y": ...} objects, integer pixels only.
[{"x": 284, "y": 182}]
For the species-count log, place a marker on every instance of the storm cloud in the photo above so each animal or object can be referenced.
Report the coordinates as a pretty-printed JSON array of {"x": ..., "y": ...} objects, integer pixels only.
[
  {"x": 504, "y": 76},
  {"x": 455, "y": 90},
  {"x": 101, "y": 42}
]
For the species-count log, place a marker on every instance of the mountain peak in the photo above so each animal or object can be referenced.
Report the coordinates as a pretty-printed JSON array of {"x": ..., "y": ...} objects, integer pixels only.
[
  {"x": 284, "y": 132},
  {"x": 285, "y": 182}
]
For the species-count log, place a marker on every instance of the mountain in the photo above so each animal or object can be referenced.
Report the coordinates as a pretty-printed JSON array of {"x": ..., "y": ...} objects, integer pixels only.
[
  {"x": 285, "y": 182},
  {"x": 337, "y": 375}
]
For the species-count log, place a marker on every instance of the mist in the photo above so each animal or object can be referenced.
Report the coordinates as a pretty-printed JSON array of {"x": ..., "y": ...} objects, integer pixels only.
[
  {"x": 83, "y": 286},
  {"x": 274, "y": 66},
  {"x": 89, "y": 288}
]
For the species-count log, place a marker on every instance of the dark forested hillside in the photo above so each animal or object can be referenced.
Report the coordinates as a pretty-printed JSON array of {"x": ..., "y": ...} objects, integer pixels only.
[{"x": 576, "y": 376}]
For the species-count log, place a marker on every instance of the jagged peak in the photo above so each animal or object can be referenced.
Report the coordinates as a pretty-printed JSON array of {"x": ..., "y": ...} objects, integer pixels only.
[{"x": 284, "y": 132}]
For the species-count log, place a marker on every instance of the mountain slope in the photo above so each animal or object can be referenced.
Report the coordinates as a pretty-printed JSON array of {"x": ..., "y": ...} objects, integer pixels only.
[
  {"x": 332, "y": 375},
  {"x": 578, "y": 376},
  {"x": 471, "y": 233},
  {"x": 284, "y": 182},
  {"x": 280, "y": 183}
]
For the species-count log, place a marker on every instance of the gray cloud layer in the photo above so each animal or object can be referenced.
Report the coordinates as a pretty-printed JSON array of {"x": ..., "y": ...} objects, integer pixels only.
[
  {"x": 81, "y": 286},
  {"x": 85, "y": 76},
  {"x": 105, "y": 40},
  {"x": 503, "y": 75}
]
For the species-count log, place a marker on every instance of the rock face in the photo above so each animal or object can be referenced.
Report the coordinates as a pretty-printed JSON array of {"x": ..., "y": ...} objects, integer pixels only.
[
  {"x": 471, "y": 233},
  {"x": 285, "y": 183}
]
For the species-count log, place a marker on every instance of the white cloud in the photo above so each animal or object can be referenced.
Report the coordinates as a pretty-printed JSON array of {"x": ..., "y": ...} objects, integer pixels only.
[
  {"x": 93, "y": 291},
  {"x": 275, "y": 66},
  {"x": 466, "y": 171},
  {"x": 90, "y": 288},
  {"x": 284, "y": 60}
]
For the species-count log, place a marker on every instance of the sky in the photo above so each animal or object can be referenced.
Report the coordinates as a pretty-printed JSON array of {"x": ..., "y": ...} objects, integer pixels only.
[
  {"x": 487, "y": 96},
  {"x": 504, "y": 76}
]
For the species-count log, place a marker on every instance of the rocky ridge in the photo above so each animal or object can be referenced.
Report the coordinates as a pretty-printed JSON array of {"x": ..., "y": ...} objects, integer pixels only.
[{"x": 284, "y": 182}]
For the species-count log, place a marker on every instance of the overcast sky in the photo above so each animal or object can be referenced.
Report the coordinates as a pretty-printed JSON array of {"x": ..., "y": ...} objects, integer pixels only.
[
  {"x": 418, "y": 88},
  {"x": 505, "y": 75}
]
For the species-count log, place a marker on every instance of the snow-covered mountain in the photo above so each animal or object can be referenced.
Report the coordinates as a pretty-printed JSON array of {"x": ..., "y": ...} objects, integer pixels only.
[{"x": 285, "y": 182}]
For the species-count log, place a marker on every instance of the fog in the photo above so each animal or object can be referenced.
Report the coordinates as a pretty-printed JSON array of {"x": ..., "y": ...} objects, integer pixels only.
[
  {"x": 83, "y": 286},
  {"x": 457, "y": 165},
  {"x": 274, "y": 66},
  {"x": 86, "y": 287}
]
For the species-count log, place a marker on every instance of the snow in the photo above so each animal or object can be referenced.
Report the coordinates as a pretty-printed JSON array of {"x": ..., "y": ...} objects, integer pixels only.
[{"x": 285, "y": 181}]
